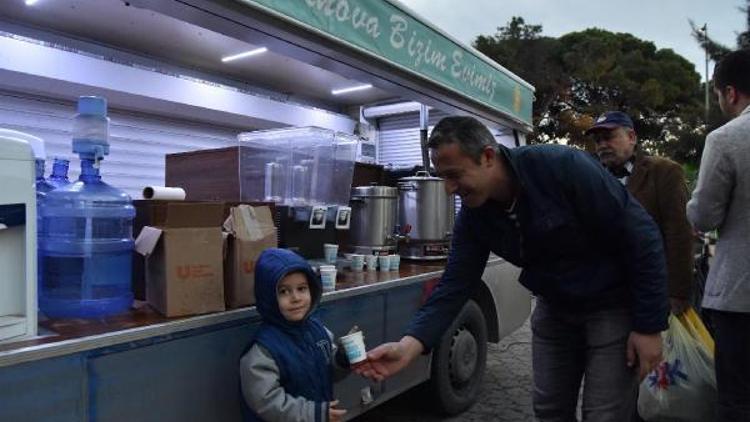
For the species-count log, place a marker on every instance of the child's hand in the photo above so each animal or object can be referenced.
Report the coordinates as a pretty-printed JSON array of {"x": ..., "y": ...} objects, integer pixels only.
[{"x": 335, "y": 415}]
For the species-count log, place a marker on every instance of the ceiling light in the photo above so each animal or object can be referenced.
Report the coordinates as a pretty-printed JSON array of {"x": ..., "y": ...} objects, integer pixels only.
[
  {"x": 30, "y": 2},
  {"x": 245, "y": 54},
  {"x": 351, "y": 89}
]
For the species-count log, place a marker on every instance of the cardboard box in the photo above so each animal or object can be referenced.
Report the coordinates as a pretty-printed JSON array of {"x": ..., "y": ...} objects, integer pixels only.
[
  {"x": 184, "y": 261},
  {"x": 154, "y": 213},
  {"x": 250, "y": 231}
]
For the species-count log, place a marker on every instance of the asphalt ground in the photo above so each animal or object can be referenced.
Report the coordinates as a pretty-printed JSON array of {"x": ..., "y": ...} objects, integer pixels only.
[{"x": 505, "y": 394}]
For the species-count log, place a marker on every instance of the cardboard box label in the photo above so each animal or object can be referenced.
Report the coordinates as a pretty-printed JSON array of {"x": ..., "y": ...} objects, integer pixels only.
[{"x": 185, "y": 272}]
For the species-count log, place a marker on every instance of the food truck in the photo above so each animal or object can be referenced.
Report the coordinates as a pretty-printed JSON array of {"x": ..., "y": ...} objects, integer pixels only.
[{"x": 191, "y": 87}]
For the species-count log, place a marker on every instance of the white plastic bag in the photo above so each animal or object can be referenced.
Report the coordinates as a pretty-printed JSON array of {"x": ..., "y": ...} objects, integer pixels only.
[{"x": 683, "y": 386}]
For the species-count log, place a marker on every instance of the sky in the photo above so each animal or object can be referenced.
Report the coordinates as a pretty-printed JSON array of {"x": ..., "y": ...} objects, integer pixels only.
[{"x": 663, "y": 22}]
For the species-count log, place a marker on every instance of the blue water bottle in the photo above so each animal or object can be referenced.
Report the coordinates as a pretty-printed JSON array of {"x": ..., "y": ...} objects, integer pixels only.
[
  {"x": 86, "y": 238},
  {"x": 59, "y": 176}
]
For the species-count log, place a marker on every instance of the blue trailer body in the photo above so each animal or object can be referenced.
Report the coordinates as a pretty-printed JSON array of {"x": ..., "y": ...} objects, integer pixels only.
[{"x": 191, "y": 374}]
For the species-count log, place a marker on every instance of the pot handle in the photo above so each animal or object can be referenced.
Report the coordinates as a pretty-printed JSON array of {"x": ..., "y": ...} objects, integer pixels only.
[{"x": 423, "y": 173}]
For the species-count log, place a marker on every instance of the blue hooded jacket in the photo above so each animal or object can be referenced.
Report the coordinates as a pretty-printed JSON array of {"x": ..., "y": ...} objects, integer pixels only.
[{"x": 302, "y": 350}]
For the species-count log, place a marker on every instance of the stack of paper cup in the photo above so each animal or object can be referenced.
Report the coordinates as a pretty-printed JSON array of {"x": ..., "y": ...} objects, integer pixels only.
[
  {"x": 372, "y": 262},
  {"x": 330, "y": 250},
  {"x": 384, "y": 262},
  {"x": 395, "y": 261},
  {"x": 358, "y": 262},
  {"x": 354, "y": 346},
  {"x": 328, "y": 277}
]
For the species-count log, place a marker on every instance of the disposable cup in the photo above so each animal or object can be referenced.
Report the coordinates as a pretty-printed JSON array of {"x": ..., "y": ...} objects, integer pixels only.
[
  {"x": 358, "y": 262},
  {"x": 395, "y": 262},
  {"x": 384, "y": 262},
  {"x": 354, "y": 346},
  {"x": 330, "y": 250},
  {"x": 328, "y": 278},
  {"x": 372, "y": 262}
]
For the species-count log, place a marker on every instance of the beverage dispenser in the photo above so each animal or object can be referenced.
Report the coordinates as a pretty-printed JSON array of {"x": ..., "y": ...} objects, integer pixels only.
[{"x": 18, "y": 227}]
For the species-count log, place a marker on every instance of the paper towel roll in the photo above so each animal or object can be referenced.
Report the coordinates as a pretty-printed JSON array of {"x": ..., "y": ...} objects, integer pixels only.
[{"x": 164, "y": 193}]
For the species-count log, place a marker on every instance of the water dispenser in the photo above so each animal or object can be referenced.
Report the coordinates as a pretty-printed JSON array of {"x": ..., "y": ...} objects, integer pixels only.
[{"x": 17, "y": 237}]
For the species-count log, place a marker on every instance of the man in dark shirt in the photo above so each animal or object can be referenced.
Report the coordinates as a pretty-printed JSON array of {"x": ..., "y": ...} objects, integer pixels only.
[{"x": 589, "y": 252}]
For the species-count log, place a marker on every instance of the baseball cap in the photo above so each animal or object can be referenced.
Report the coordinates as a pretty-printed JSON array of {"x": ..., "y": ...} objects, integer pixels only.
[{"x": 611, "y": 120}]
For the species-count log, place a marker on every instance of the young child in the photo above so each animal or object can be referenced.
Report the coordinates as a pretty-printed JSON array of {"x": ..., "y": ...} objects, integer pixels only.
[{"x": 287, "y": 375}]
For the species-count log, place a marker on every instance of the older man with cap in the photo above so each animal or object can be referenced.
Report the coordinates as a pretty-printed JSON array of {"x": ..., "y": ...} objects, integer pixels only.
[{"x": 659, "y": 185}]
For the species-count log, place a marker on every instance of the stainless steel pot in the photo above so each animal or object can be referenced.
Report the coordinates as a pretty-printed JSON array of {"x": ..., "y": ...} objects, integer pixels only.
[
  {"x": 373, "y": 220},
  {"x": 429, "y": 211}
]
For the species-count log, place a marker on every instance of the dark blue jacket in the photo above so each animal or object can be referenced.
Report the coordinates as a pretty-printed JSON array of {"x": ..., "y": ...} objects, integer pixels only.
[
  {"x": 302, "y": 350},
  {"x": 582, "y": 240}
]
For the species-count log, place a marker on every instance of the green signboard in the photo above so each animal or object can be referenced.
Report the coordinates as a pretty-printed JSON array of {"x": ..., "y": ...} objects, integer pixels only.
[{"x": 387, "y": 31}]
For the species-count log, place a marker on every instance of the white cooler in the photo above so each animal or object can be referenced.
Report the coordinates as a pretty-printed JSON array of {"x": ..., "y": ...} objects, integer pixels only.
[{"x": 18, "y": 255}]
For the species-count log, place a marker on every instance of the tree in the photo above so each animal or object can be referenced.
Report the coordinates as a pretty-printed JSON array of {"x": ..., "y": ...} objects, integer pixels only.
[
  {"x": 715, "y": 49},
  {"x": 582, "y": 74},
  {"x": 522, "y": 49},
  {"x": 657, "y": 87}
]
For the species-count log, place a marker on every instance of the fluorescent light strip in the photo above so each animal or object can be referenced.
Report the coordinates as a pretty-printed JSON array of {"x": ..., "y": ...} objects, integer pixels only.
[
  {"x": 30, "y": 2},
  {"x": 245, "y": 54},
  {"x": 351, "y": 89}
]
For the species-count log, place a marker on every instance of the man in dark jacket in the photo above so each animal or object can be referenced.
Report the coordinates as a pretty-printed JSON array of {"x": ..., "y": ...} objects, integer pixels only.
[
  {"x": 589, "y": 252},
  {"x": 659, "y": 185}
]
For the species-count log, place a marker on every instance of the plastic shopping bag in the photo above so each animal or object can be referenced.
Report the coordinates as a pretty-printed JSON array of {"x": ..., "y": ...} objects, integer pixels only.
[
  {"x": 692, "y": 321},
  {"x": 683, "y": 386}
]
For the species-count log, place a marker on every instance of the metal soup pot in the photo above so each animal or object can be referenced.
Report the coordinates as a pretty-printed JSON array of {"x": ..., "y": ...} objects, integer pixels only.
[
  {"x": 425, "y": 206},
  {"x": 374, "y": 215}
]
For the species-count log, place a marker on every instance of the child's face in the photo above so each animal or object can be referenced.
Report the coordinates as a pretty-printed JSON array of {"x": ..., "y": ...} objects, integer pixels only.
[{"x": 293, "y": 295}]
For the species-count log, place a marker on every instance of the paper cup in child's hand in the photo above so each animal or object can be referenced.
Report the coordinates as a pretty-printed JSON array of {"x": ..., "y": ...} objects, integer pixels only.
[{"x": 354, "y": 346}]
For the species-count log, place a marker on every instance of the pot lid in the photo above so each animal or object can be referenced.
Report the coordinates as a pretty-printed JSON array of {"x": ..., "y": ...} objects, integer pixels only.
[
  {"x": 421, "y": 175},
  {"x": 415, "y": 178},
  {"x": 375, "y": 191}
]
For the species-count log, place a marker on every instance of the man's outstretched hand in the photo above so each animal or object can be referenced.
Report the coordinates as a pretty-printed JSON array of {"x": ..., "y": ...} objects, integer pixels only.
[{"x": 389, "y": 358}]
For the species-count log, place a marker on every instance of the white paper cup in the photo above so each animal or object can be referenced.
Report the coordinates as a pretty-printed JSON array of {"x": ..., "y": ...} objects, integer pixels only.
[
  {"x": 372, "y": 262},
  {"x": 358, "y": 262},
  {"x": 330, "y": 251},
  {"x": 354, "y": 346},
  {"x": 328, "y": 278},
  {"x": 384, "y": 262},
  {"x": 395, "y": 262}
]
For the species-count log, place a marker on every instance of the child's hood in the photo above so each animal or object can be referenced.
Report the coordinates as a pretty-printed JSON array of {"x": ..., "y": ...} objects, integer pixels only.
[{"x": 273, "y": 264}]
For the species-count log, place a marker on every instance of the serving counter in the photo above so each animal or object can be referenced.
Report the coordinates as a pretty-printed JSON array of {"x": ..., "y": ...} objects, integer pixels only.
[{"x": 143, "y": 366}]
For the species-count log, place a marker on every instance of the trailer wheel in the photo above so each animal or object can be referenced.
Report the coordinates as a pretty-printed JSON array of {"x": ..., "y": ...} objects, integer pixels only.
[{"x": 459, "y": 360}]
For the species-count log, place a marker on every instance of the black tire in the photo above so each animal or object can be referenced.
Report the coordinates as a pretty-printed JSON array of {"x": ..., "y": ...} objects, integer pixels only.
[{"x": 459, "y": 361}]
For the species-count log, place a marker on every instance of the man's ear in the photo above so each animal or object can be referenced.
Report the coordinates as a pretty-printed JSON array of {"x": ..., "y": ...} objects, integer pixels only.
[
  {"x": 730, "y": 94},
  {"x": 633, "y": 136},
  {"x": 488, "y": 155}
]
